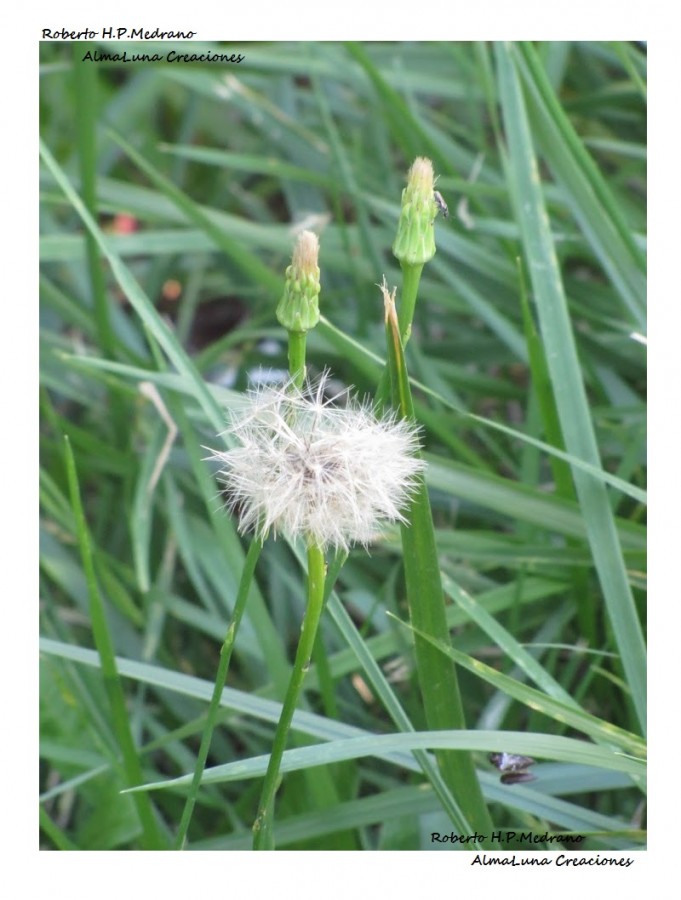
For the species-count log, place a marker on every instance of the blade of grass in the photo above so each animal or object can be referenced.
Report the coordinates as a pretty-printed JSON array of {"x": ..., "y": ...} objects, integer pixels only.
[
  {"x": 413, "y": 802},
  {"x": 366, "y": 361},
  {"x": 541, "y": 384},
  {"x": 238, "y": 701},
  {"x": 586, "y": 190},
  {"x": 405, "y": 128},
  {"x": 568, "y": 386},
  {"x": 543, "y": 746},
  {"x": 239, "y": 254},
  {"x": 568, "y": 713},
  {"x": 506, "y": 642},
  {"x": 138, "y": 299},
  {"x": 55, "y": 833},
  {"x": 518, "y": 501},
  {"x": 85, "y": 82},
  {"x": 392, "y": 705},
  {"x": 252, "y": 164},
  {"x": 151, "y": 837},
  {"x": 439, "y": 685},
  {"x": 225, "y": 657},
  {"x": 86, "y": 90}
]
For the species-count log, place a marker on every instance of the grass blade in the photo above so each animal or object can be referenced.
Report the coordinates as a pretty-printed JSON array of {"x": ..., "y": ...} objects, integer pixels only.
[
  {"x": 560, "y": 710},
  {"x": 568, "y": 386},
  {"x": 543, "y": 746},
  {"x": 152, "y": 838},
  {"x": 586, "y": 190},
  {"x": 439, "y": 685}
]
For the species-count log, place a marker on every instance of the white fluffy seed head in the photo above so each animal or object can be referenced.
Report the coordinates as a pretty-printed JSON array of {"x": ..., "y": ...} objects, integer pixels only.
[{"x": 304, "y": 466}]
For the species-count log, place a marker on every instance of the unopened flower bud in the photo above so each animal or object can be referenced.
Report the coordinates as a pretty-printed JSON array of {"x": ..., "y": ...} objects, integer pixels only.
[
  {"x": 298, "y": 309},
  {"x": 415, "y": 241}
]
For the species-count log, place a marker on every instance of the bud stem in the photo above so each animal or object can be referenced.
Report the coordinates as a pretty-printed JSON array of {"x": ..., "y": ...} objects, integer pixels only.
[{"x": 296, "y": 356}]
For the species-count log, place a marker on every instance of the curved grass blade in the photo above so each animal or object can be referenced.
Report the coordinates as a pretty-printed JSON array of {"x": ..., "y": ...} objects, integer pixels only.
[{"x": 543, "y": 746}]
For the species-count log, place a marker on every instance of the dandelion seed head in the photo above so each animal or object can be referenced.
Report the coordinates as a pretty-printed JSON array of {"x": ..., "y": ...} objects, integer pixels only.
[{"x": 307, "y": 466}]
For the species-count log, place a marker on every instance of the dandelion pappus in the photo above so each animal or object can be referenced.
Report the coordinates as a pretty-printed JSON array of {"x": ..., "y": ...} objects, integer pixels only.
[{"x": 304, "y": 466}]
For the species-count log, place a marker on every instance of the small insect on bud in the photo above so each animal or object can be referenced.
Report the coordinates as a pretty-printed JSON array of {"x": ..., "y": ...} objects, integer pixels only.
[{"x": 440, "y": 203}]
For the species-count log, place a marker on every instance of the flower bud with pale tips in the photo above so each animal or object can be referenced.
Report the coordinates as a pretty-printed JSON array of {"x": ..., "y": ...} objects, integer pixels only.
[
  {"x": 415, "y": 240},
  {"x": 298, "y": 309}
]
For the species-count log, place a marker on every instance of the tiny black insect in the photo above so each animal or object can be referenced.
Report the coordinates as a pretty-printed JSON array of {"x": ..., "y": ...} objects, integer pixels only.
[
  {"x": 440, "y": 203},
  {"x": 513, "y": 767}
]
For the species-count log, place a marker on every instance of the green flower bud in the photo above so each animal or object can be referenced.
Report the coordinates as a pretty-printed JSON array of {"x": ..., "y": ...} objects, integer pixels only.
[
  {"x": 298, "y": 309},
  {"x": 415, "y": 241}
]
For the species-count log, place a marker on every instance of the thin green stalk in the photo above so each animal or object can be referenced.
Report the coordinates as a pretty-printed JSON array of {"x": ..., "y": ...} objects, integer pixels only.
[
  {"x": 152, "y": 838},
  {"x": 263, "y": 838},
  {"x": 296, "y": 356},
  {"x": 220, "y": 679}
]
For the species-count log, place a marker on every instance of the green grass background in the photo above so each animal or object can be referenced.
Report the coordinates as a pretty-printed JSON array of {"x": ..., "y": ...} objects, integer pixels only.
[{"x": 529, "y": 387}]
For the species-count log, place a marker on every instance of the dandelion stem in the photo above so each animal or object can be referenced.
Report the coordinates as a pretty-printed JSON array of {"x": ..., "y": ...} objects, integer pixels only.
[
  {"x": 296, "y": 356},
  {"x": 221, "y": 677},
  {"x": 316, "y": 570}
]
